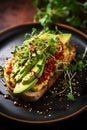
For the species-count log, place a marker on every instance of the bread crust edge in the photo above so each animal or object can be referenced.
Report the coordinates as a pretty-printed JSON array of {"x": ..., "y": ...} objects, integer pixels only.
[{"x": 34, "y": 96}]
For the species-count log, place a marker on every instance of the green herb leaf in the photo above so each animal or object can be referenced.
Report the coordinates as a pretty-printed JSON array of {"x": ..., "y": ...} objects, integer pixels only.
[
  {"x": 70, "y": 12},
  {"x": 26, "y": 36},
  {"x": 34, "y": 30},
  {"x": 71, "y": 96},
  {"x": 85, "y": 4}
]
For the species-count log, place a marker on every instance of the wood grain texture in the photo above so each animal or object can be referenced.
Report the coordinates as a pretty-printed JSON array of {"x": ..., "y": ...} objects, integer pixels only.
[{"x": 15, "y": 12}]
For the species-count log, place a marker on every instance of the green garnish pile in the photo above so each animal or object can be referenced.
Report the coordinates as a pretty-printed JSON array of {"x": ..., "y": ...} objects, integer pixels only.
[
  {"x": 66, "y": 11},
  {"x": 34, "y": 49}
]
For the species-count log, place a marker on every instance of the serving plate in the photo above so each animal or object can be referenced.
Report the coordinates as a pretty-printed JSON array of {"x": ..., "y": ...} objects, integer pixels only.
[{"x": 48, "y": 109}]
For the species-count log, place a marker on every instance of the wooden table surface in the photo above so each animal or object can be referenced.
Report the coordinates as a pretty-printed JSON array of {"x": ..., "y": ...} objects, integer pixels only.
[{"x": 12, "y": 13}]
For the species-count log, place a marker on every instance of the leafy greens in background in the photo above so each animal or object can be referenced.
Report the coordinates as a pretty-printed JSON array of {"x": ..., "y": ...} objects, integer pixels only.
[{"x": 72, "y": 12}]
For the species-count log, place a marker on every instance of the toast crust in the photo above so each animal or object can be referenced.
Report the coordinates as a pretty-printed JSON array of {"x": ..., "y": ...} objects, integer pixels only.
[{"x": 34, "y": 96}]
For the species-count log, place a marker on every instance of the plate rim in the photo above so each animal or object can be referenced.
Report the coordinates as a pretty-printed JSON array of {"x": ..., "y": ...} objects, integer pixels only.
[
  {"x": 36, "y": 23},
  {"x": 53, "y": 120},
  {"x": 48, "y": 121}
]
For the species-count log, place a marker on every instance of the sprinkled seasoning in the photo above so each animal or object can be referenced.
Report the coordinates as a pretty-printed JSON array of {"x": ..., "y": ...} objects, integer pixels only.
[
  {"x": 1, "y": 71},
  {"x": 56, "y": 98},
  {"x": 49, "y": 102}
]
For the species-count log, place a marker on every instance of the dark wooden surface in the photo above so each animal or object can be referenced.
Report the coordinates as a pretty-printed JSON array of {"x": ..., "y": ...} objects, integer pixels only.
[
  {"x": 15, "y": 12},
  {"x": 12, "y": 13}
]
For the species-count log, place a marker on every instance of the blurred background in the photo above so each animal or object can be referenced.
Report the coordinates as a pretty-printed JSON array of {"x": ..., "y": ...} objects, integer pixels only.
[
  {"x": 14, "y": 12},
  {"x": 71, "y": 12}
]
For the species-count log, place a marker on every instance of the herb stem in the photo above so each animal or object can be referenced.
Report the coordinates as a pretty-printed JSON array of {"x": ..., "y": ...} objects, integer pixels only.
[{"x": 84, "y": 53}]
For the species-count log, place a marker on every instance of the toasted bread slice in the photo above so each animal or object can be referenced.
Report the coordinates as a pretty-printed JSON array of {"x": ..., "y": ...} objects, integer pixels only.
[{"x": 36, "y": 95}]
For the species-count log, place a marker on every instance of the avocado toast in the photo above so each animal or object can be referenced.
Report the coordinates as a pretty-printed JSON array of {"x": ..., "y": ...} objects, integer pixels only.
[{"x": 37, "y": 64}]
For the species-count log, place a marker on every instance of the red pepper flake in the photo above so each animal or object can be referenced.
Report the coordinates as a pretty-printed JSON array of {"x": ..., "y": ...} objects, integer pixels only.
[
  {"x": 50, "y": 66},
  {"x": 59, "y": 56},
  {"x": 9, "y": 69}
]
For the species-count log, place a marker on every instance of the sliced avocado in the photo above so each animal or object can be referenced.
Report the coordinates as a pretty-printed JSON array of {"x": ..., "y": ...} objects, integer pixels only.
[
  {"x": 64, "y": 38},
  {"x": 31, "y": 75},
  {"x": 25, "y": 69},
  {"x": 20, "y": 88},
  {"x": 46, "y": 36},
  {"x": 17, "y": 67},
  {"x": 15, "y": 70}
]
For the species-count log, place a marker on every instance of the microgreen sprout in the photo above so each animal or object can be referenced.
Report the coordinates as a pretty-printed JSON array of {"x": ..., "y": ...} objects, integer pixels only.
[{"x": 71, "y": 70}]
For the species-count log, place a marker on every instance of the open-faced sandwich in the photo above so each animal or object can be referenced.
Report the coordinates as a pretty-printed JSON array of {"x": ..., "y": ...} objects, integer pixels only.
[{"x": 37, "y": 64}]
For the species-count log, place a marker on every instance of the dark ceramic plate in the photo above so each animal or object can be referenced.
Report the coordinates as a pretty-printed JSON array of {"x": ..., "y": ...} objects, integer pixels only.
[{"x": 48, "y": 109}]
